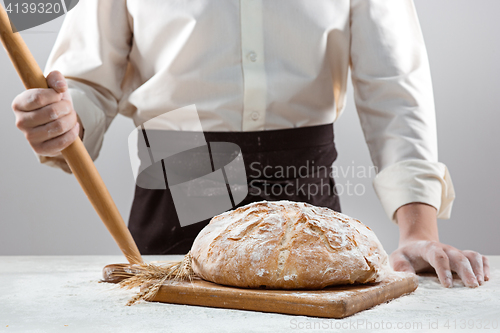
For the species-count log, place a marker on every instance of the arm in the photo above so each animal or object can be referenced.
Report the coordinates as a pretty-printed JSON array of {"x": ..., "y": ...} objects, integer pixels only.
[
  {"x": 419, "y": 249},
  {"x": 395, "y": 103},
  {"x": 91, "y": 51}
]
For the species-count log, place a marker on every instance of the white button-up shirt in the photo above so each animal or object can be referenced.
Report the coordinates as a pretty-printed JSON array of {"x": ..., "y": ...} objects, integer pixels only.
[{"x": 256, "y": 65}]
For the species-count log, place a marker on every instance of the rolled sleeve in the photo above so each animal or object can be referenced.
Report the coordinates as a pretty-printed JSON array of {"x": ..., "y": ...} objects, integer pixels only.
[
  {"x": 395, "y": 103},
  {"x": 415, "y": 181},
  {"x": 93, "y": 121}
]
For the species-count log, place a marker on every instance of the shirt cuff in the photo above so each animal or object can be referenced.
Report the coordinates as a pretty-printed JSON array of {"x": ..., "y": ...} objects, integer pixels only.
[
  {"x": 94, "y": 123},
  {"x": 415, "y": 181},
  {"x": 55, "y": 162}
]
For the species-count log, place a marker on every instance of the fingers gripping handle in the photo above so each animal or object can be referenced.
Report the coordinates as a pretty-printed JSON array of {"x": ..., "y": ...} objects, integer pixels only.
[{"x": 75, "y": 155}]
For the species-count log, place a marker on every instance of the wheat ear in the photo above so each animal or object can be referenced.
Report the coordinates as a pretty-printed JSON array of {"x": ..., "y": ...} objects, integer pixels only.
[{"x": 151, "y": 277}]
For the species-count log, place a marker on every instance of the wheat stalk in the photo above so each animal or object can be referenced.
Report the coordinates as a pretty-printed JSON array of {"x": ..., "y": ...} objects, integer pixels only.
[{"x": 152, "y": 276}]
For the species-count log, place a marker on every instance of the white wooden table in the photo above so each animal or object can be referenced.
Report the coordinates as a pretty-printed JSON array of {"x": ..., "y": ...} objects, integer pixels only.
[{"x": 63, "y": 294}]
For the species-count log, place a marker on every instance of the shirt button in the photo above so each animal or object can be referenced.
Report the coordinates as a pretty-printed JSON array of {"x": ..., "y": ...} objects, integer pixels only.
[
  {"x": 252, "y": 56},
  {"x": 255, "y": 115}
]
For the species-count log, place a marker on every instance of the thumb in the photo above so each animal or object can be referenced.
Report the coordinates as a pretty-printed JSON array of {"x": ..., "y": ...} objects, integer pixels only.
[
  {"x": 56, "y": 81},
  {"x": 400, "y": 263}
]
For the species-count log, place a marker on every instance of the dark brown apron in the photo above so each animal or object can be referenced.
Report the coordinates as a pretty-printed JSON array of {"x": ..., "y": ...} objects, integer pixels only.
[{"x": 291, "y": 164}]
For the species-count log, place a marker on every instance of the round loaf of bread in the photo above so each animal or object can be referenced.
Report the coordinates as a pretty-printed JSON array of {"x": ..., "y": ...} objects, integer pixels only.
[{"x": 287, "y": 245}]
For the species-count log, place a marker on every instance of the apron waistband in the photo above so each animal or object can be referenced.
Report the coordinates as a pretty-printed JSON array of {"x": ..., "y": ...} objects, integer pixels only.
[{"x": 275, "y": 140}]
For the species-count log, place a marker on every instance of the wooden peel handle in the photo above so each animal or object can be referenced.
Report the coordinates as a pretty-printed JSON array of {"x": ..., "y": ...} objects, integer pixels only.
[{"x": 75, "y": 155}]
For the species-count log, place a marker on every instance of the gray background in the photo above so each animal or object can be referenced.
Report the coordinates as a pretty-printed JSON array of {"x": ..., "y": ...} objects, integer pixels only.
[{"x": 44, "y": 211}]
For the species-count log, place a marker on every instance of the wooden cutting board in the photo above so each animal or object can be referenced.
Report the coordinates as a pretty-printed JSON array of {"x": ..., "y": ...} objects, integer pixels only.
[{"x": 332, "y": 302}]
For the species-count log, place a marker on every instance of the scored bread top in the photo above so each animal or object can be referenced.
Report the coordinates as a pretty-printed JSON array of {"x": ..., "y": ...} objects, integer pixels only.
[{"x": 287, "y": 245}]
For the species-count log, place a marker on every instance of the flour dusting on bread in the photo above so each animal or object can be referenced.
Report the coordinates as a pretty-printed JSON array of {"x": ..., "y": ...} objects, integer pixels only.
[{"x": 287, "y": 245}]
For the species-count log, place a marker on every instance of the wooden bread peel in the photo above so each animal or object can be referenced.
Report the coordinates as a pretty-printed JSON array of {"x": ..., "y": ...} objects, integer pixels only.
[
  {"x": 331, "y": 302},
  {"x": 166, "y": 283},
  {"x": 76, "y": 155},
  {"x": 338, "y": 301},
  {"x": 82, "y": 166}
]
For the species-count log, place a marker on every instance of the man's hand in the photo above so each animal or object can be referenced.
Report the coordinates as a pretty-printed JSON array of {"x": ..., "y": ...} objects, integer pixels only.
[
  {"x": 46, "y": 116},
  {"x": 420, "y": 250}
]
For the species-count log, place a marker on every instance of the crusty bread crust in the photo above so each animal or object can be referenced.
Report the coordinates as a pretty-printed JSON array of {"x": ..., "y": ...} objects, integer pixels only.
[{"x": 287, "y": 245}]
